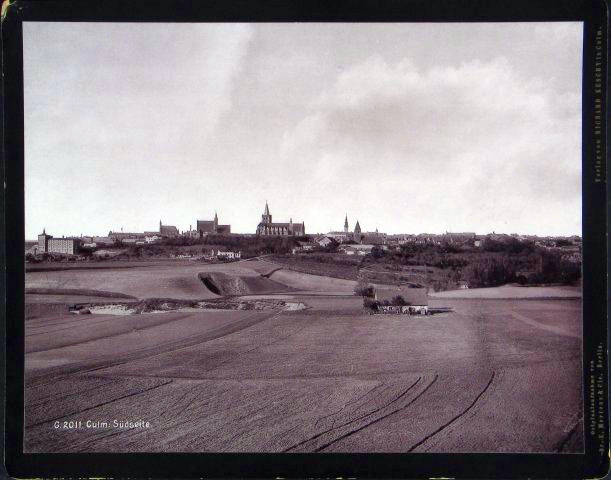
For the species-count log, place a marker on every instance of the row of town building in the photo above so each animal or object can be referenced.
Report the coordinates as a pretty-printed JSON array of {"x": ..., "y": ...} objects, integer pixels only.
[{"x": 351, "y": 242}]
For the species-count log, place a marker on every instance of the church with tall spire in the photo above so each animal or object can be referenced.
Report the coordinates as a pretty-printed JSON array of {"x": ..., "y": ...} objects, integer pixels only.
[
  {"x": 346, "y": 235},
  {"x": 267, "y": 227}
]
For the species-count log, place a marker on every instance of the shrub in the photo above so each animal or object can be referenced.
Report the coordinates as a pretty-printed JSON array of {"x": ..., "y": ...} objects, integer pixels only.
[
  {"x": 364, "y": 290},
  {"x": 370, "y": 303},
  {"x": 399, "y": 301}
]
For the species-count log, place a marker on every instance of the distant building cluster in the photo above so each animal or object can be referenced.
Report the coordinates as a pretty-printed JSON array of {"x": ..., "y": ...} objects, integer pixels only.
[
  {"x": 349, "y": 242},
  {"x": 140, "y": 238},
  {"x": 356, "y": 236}
]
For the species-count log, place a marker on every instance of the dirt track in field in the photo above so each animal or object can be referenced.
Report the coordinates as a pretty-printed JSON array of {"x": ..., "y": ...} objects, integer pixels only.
[{"x": 492, "y": 376}]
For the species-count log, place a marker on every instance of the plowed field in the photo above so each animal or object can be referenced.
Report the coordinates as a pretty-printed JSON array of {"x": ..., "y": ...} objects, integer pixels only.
[{"x": 492, "y": 376}]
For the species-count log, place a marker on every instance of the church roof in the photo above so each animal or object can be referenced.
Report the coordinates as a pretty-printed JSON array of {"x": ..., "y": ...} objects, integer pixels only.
[
  {"x": 205, "y": 225},
  {"x": 168, "y": 229},
  {"x": 276, "y": 224}
]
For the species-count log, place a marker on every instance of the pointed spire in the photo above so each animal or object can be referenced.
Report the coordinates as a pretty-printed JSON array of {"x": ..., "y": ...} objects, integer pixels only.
[
  {"x": 216, "y": 218},
  {"x": 357, "y": 227},
  {"x": 266, "y": 212}
]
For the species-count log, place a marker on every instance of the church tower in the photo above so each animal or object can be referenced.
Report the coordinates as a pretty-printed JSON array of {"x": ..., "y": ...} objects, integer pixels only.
[
  {"x": 357, "y": 227},
  {"x": 216, "y": 222},
  {"x": 346, "y": 224},
  {"x": 266, "y": 217}
]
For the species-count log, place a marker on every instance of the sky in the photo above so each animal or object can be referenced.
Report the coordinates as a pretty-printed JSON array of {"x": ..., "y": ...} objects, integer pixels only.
[{"x": 407, "y": 128}]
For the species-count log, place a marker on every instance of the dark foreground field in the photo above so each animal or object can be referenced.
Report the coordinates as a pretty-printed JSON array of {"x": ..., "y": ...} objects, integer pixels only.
[{"x": 492, "y": 376}]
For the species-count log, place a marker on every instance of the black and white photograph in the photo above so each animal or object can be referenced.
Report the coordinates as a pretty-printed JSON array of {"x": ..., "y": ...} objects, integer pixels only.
[{"x": 295, "y": 237}]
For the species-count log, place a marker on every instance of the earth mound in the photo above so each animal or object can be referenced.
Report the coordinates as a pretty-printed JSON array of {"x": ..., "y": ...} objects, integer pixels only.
[{"x": 227, "y": 285}]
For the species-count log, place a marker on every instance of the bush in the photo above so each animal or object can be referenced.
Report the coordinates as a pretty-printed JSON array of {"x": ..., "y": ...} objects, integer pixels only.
[
  {"x": 370, "y": 303},
  {"x": 399, "y": 301},
  {"x": 364, "y": 290}
]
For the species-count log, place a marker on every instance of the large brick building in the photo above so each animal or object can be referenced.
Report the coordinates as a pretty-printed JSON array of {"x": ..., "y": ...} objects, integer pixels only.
[
  {"x": 168, "y": 231},
  {"x": 48, "y": 244},
  {"x": 206, "y": 227}
]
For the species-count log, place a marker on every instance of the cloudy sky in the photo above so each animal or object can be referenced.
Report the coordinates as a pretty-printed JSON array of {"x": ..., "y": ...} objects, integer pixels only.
[{"x": 406, "y": 127}]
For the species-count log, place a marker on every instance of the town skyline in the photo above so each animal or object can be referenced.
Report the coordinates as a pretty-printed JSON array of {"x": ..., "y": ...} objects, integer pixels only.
[
  {"x": 350, "y": 228},
  {"x": 406, "y": 127}
]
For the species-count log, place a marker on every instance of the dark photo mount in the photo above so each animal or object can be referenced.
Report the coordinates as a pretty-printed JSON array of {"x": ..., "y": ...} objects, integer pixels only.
[{"x": 593, "y": 463}]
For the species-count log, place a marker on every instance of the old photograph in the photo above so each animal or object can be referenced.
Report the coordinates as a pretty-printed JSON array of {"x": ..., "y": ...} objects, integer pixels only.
[{"x": 303, "y": 237}]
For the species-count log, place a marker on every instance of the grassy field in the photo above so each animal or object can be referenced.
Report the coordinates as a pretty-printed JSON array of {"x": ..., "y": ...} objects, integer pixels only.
[
  {"x": 106, "y": 265},
  {"x": 513, "y": 291},
  {"x": 330, "y": 265}
]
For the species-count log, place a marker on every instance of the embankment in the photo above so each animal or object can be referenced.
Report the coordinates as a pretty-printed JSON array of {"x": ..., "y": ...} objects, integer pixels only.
[{"x": 228, "y": 285}]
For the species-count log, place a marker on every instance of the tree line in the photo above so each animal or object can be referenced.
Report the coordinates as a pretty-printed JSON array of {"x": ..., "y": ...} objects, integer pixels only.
[{"x": 496, "y": 263}]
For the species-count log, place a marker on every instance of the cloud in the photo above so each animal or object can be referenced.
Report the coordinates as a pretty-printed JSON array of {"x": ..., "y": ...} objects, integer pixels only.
[
  {"x": 127, "y": 110},
  {"x": 446, "y": 144},
  {"x": 409, "y": 127}
]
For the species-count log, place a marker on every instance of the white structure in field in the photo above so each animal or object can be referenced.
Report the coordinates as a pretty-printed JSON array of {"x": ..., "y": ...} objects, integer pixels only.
[{"x": 226, "y": 254}]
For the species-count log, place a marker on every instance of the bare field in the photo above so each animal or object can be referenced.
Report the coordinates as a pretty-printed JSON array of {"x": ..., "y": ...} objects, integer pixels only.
[
  {"x": 313, "y": 283},
  {"x": 512, "y": 291},
  {"x": 491, "y": 376},
  {"x": 156, "y": 279}
]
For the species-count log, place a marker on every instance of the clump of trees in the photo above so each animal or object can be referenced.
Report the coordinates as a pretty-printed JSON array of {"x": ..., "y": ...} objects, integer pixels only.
[
  {"x": 495, "y": 263},
  {"x": 364, "y": 290},
  {"x": 545, "y": 267},
  {"x": 372, "y": 304},
  {"x": 397, "y": 301},
  {"x": 250, "y": 246},
  {"x": 254, "y": 245},
  {"x": 489, "y": 272}
]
